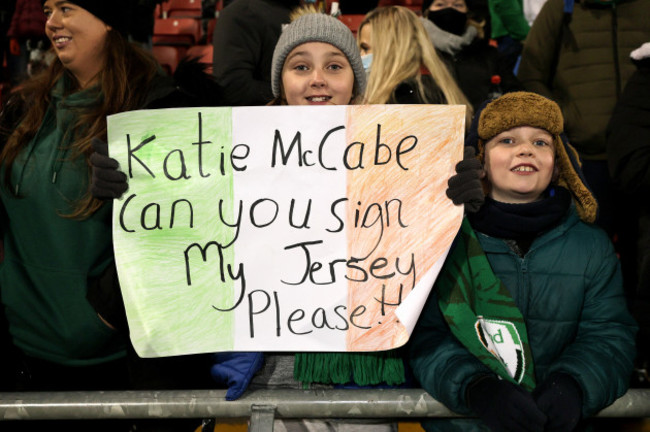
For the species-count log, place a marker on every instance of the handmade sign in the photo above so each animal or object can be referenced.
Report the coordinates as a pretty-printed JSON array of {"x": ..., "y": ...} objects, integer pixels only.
[{"x": 282, "y": 228}]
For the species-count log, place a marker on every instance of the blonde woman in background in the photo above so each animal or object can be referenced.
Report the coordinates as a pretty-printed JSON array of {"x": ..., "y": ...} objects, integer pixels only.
[{"x": 404, "y": 67}]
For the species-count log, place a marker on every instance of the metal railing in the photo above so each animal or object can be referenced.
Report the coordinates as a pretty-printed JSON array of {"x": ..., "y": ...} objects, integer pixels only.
[{"x": 261, "y": 406}]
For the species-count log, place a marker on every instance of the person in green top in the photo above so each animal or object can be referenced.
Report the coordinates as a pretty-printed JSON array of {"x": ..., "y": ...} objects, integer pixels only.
[
  {"x": 58, "y": 254},
  {"x": 527, "y": 327},
  {"x": 509, "y": 28}
]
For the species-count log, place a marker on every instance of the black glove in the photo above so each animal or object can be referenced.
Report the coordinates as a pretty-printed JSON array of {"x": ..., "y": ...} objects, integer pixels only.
[
  {"x": 560, "y": 398},
  {"x": 107, "y": 181},
  {"x": 504, "y": 406},
  {"x": 465, "y": 186}
]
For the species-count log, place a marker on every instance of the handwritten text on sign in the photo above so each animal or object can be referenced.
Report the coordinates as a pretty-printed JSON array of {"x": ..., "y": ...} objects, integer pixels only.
[{"x": 282, "y": 228}]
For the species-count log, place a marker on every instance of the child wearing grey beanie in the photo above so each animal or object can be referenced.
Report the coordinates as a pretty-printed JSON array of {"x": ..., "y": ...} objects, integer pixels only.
[{"x": 317, "y": 27}]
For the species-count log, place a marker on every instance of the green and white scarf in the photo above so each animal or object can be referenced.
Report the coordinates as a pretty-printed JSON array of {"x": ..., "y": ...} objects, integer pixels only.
[{"x": 481, "y": 312}]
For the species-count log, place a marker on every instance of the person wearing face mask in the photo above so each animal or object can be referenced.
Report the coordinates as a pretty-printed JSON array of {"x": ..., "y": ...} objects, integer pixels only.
[
  {"x": 460, "y": 41},
  {"x": 405, "y": 68},
  {"x": 366, "y": 60}
]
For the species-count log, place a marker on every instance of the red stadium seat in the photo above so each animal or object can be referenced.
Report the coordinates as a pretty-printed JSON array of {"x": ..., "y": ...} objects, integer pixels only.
[
  {"x": 352, "y": 21},
  {"x": 176, "y": 31},
  {"x": 162, "y": 9},
  {"x": 184, "y": 8}
]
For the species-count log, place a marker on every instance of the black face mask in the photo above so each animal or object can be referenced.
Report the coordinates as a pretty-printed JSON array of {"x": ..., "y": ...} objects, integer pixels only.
[{"x": 449, "y": 20}]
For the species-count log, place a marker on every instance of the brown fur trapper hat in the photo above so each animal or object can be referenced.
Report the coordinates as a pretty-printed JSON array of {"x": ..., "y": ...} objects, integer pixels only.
[{"x": 530, "y": 109}]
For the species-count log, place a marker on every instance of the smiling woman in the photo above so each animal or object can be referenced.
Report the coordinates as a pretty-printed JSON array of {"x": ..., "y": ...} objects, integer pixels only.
[
  {"x": 58, "y": 281},
  {"x": 78, "y": 38}
]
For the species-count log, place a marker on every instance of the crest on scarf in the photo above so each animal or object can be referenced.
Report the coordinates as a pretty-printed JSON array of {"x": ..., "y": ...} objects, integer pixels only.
[{"x": 502, "y": 340}]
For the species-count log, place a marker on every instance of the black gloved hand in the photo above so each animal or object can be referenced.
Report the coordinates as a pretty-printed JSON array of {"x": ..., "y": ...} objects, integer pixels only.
[
  {"x": 560, "y": 398},
  {"x": 504, "y": 406},
  {"x": 107, "y": 181},
  {"x": 465, "y": 186}
]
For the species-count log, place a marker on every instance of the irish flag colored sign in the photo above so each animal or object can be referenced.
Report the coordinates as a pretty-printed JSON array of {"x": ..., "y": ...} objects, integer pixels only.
[{"x": 282, "y": 228}]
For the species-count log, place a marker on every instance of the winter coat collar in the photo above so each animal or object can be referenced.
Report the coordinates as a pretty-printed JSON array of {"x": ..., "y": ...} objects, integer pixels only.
[{"x": 500, "y": 246}]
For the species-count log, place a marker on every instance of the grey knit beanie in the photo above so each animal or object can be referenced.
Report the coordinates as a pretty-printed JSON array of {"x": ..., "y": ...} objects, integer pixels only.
[{"x": 317, "y": 27}]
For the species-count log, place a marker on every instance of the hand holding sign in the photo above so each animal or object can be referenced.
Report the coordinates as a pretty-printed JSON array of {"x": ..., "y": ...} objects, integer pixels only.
[{"x": 107, "y": 181}]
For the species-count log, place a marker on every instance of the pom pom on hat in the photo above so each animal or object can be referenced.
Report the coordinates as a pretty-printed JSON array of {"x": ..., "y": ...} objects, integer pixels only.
[{"x": 317, "y": 27}]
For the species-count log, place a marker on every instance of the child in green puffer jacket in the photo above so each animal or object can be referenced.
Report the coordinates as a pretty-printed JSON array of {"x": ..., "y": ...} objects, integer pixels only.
[{"x": 527, "y": 327}]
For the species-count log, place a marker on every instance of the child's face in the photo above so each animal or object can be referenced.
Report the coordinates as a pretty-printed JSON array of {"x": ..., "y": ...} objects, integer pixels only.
[
  {"x": 317, "y": 73},
  {"x": 519, "y": 164}
]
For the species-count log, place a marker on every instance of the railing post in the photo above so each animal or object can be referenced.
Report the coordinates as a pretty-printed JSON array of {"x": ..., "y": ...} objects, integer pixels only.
[{"x": 262, "y": 417}]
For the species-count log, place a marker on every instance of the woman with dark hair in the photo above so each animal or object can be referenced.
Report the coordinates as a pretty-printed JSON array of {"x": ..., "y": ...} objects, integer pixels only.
[{"x": 58, "y": 254}]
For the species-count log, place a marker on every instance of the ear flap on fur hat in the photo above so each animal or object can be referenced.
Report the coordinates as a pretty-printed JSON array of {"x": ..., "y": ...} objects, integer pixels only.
[
  {"x": 572, "y": 178},
  {"x": 530, "y": 109}
]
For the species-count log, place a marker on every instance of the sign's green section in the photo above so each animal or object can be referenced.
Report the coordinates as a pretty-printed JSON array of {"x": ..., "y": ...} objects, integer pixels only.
[{"x": 175, "y": 155}]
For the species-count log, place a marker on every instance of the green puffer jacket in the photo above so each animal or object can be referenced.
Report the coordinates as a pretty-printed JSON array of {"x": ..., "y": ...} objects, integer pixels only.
[
  {"x": 584, "y": 65},
  {"x": 568, "y": 288}
]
